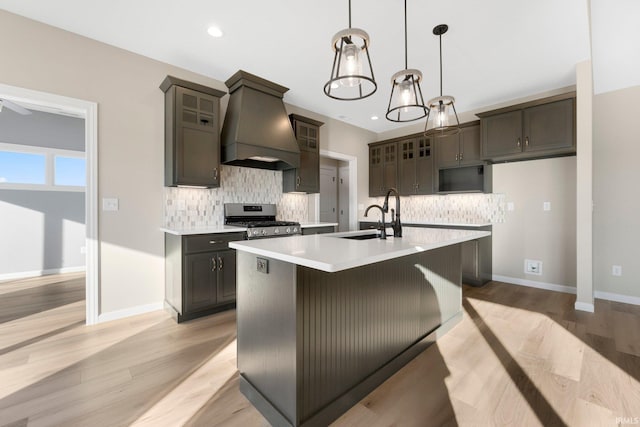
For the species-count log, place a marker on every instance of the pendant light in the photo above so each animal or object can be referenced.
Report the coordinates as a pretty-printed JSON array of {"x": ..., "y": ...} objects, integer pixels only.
[
  {"x": 351, "y": 74},
  {"x": 406, "y": 103},
  {"x": 442, "y": 119}
]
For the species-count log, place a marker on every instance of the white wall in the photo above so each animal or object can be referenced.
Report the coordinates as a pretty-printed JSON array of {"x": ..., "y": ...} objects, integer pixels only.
[
  {"x": 616, "y": 176},
  {"x": 42, "y": 231},
  {"x": 529, "y": 232},
  {"x": 130, "y": 143}
]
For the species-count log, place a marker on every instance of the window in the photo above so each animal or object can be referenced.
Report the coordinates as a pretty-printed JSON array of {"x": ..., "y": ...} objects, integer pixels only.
[
  {"x": 22, "y": 168},
  {"x": 69, "y": 171},
  {"x": 25, "y": 167}
]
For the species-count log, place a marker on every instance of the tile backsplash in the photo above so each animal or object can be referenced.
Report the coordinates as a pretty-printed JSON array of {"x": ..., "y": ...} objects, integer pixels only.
[
  {"x": 186, "y": 208},
  {"x": 453, "y": 208}
]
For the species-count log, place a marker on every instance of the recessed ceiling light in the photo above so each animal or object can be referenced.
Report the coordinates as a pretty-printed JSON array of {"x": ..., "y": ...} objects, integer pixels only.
[
  {"x": 374, "y": 117},
  {"x": 214, "y": 31}
]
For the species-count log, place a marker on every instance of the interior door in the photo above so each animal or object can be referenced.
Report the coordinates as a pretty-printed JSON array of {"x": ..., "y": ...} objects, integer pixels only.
[
  {"x": 328, "y": 191},
  {"x": 343, "y": 196}
]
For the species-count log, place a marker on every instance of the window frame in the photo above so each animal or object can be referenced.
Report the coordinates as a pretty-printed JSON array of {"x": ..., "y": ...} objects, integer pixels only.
[{"x": 50, "y": 155}]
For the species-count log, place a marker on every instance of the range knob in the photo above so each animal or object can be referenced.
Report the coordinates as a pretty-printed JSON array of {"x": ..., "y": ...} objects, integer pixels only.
[
  {"x": 295, "y": 229},
  {"x": 288, "y": 230},
  {"x": 276, "y": 231},
  {"x": 264, "y": 231},
  {"x": 255, "y": 232}
]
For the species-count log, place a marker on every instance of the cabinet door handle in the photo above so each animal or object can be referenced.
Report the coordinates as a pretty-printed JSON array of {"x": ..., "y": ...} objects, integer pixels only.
[
  {"x": 213, "y": 263},
  {"x": 526, "y": 141},
  {"x": 461, "y": 156},
  {"x": 213, "y": 242},
  {"x": 220, "y": 264},
  {"x": 215, "y": 173},
  {"x": 518, "y": 142},
  {"x": 298, "y": 181},
  {"x": 457, "y": 155}
]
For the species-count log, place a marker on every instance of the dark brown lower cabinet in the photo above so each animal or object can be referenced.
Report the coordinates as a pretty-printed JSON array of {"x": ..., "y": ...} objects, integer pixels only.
[
  {"x": 476, "y": 254},
  {"x": 226, "y": 285},
  {"x": 200, "y": 274}
]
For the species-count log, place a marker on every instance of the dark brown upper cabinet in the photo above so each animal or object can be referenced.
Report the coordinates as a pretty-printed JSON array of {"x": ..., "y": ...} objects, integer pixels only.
[
  {"x": 383, "y": 168},
  {"x": 306, "y": 178},
  {"x": 537, "y": 129},
  {"x": 461, "y": 149},
  {"x": 415, "y": 166},
  {"x": 192, "y": 133}
]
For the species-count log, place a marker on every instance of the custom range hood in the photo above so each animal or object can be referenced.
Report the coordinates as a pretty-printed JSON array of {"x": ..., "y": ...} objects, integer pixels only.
[{"x": 257, "y": 132}]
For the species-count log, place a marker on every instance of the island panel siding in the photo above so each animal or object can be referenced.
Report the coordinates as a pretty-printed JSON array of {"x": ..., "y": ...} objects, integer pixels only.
[{"x": 311, "y": 343}]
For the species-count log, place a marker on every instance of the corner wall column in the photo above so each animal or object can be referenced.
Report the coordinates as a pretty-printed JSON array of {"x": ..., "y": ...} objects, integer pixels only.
[{"x": 584, "y": 187}]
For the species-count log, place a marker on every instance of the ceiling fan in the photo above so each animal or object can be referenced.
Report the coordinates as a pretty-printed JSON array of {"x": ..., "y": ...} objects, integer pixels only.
[{"x": 13, "y": 106}]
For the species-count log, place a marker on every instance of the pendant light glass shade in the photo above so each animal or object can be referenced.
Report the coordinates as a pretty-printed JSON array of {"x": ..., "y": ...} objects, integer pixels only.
[
  {"x": 351, "y": 74},
  {"x": 443, "y": 118},
  {"x": 406, "y": 103}
]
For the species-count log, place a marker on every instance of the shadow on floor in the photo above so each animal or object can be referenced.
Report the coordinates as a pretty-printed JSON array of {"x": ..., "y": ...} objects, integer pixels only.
[
  {"x": 599, "y": 330},
  {"x": 118, "y": 384},
  {"x": 536, "y": 400},
  {"x": 26, "y": 302}
]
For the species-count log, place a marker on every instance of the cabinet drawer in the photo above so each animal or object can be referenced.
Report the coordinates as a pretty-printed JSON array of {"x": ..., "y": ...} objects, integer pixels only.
[{"x": 209, "y": 242}]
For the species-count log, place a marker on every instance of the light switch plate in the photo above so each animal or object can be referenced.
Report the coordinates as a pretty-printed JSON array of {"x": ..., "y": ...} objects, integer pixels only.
[
  {"x": 511, "y": 206},
  {"x": 546, "y": 206},
  {"x": 616, "y": 270},
  {"x": 109, "y": 204}
]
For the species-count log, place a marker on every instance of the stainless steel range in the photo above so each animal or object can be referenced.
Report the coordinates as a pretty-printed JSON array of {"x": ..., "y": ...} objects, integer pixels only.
[{"x": 260, "y": 220}]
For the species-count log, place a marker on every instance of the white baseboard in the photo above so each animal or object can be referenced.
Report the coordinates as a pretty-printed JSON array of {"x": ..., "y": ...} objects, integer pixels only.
[
  {"x": 535, "y": 284},
  {"x": 626, "y": 299},
  {"x": 617, "y": 297},
  {"x": 37, "y": 273},
  {"x": 584, "y": 306},
  {"x": 127, "y": 312}
]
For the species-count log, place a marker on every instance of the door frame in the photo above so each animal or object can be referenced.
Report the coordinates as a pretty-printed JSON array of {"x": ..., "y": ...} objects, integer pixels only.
[
  {"x": 353, "y": 186},
  {"x": 87, "y": 110}
]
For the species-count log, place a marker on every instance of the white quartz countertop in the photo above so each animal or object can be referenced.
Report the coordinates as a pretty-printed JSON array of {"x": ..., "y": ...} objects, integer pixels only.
[
  {"x": 203, "y": 230},
  {"x": 329, "y": 252},
  {"x": 318, "y": 224},
  {"x": 375, "y": 218}
]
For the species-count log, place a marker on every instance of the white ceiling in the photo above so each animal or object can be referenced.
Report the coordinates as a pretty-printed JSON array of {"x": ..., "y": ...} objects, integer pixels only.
[{"x": 495, "y": 50}]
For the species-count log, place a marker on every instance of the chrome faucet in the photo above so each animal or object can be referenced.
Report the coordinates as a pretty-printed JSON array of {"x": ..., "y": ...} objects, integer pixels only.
[
  {"x": 395, "y": 219},
  {"x": 383, "y": 231}
]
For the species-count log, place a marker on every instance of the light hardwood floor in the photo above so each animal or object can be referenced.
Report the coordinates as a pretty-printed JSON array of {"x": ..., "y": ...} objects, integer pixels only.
[{"x": 520, "y": 356}]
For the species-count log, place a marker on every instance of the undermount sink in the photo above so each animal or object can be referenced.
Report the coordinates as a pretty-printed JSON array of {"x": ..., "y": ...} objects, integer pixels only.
[{"x": 360, "y": 237}]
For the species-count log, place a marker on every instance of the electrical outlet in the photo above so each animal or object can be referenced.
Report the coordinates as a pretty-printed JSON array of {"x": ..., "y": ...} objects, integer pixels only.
[
  {"x": 511, "y": 206},
  {"x": 546, "y": 206},
  {"x": 262, "y": 265},
  {"x": 616, "y": 270},
  {"x": 532, "y": 266}
]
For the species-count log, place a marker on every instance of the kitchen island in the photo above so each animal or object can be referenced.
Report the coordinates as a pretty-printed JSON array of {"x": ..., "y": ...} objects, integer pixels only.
[{"x": 324, "y": 319}]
